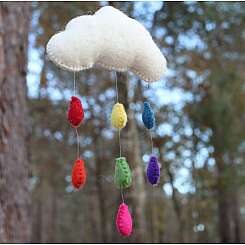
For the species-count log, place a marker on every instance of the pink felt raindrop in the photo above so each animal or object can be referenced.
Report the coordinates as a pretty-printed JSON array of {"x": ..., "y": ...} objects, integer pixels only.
[{"x": 124, "y": 221}]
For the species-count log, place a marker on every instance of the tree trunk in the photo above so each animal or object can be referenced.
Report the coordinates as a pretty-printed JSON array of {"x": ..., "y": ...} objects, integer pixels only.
[
  {"x": 235, "y": 205},
  {"x": 137, "y": 188},
  {"x": 15, "y": 215},
  {"x": 154, "y": 218},
  {"x": 103, "y": 211},
  {"x": 223, "y": 206},
  {"x": 100, "y": 158},
  {"x": 39, "y": 230},
  {"x": 177, "y": 207},
  {"x": 54, "y": 216}
]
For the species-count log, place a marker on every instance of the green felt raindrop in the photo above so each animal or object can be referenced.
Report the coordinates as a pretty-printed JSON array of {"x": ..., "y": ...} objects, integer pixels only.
[{"x": 122, "y": 175}]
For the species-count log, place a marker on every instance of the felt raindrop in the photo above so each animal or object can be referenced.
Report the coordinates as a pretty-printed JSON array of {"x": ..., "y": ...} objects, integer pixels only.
[
  {"x": 153, "y": 171},
  {"x": 78, "y": 174},
  {"x": 122, "y": 175},
  {"x": 75, "y": 114},
  {"x": 118, "y": 116},
  {"x": 124, "y": 220},
  {"x": 148, "y": 116}
]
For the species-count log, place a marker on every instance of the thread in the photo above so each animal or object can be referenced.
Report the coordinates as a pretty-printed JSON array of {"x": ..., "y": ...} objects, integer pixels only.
[
  {"x": 116, "y": 86},
  {"x": 120, "y": 144},
  {"x": 72, "y": 193},
  {"x": 105, "y": 178},
  {"x": 77, "y": 143},
  {"x": 151, "y": 144},
  {"x": 74, "y": 83},
  {"x": 122, "y": 195},
  {"x": 153, "y": 170},
  {"x": 154, "y": 120},
  {"x": 119, "y": 134}
]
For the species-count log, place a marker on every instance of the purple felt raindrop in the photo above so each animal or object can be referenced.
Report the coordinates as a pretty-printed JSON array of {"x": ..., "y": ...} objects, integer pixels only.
[{"x": 153, "y": 171}]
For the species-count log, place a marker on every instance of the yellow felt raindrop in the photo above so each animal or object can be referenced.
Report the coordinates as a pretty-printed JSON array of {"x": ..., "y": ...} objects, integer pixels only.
[{"x": 118, "y": 116}]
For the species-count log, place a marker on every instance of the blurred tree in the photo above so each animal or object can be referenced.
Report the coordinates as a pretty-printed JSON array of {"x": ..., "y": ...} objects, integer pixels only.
[
  {"x": 15, "y": 219},
  {"x": 212, "y": 70},
  {"x": 199, "y": 140}
]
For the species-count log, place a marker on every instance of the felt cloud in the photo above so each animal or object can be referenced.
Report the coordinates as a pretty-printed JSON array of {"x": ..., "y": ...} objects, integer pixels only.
[{"x": 111, "y": 40}]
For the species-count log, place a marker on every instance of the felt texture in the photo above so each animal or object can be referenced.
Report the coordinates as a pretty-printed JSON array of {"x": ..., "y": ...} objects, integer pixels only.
[
  {"x": 78, "y": 174},
  {"x": 111, "y": 40},
  {"x": 75, "y": 114},
  {"x": 122, "y": 175},
  {"x": 153, "y": 171},
  {"x": 148, "y": 116},
  {"x": 124, "y": 220},
  {"x": 118, "y": 116}
]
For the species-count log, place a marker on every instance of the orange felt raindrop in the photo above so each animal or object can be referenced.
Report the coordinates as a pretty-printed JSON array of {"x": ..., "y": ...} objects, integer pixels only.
[{"x": 78, "y": 174}]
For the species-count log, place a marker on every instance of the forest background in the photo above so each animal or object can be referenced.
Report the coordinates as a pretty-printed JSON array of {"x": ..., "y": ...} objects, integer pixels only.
[{"x": 199, "y": 137}]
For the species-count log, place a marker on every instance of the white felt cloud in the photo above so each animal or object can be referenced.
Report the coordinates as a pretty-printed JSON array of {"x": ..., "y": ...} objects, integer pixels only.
[{"x": 111, "y": 40}]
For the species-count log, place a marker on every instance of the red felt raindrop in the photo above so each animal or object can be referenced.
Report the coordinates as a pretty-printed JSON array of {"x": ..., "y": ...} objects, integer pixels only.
[
  {"x": 75, "y": 114},
  {"x": 78, "y": 174}
]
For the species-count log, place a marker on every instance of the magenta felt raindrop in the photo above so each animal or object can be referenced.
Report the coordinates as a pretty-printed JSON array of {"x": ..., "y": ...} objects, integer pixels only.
[{"x": 124, "y": 221}]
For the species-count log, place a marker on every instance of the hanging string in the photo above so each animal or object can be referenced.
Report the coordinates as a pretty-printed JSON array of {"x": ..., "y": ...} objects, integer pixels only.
[
  {"x": 151, "y": 144},
  {"x": 77, "y": 143},
  {"x": 150, "y": 129},
  {"x": 119, "y": 133},
  {"x": 122, "y": 195},
  {"x": 105, "y": 178},
  {"x": 116, "y": 86},
  {"x": 120, "y": 144},
  {"x": 76, "y": 127},
  {"x": 74, "y": 84}
]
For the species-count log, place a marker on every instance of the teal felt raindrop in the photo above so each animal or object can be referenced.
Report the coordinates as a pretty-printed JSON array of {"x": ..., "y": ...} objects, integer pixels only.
[{"x": 148, "y": 116}]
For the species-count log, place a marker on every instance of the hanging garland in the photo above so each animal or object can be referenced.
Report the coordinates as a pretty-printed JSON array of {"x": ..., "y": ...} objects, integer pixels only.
[
  {"x": 153, "y": 170},
  {"x": 75, "y": 117},
  {"x": 116, "y": 42}
]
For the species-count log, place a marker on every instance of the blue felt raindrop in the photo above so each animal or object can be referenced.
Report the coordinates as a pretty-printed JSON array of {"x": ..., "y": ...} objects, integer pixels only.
[{"x": 148, "y": 116}]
